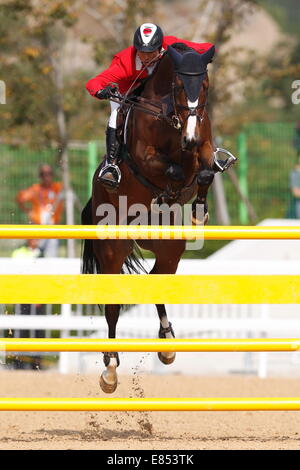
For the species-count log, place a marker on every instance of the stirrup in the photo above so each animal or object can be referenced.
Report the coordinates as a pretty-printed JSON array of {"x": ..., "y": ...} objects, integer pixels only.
[
  {"x": 114, "y": 170},
  {"x": 225, "y": 163}
]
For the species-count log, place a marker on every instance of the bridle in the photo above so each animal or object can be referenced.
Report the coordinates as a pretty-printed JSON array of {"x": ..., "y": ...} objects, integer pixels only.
[
  {"x": 141, "y": 103},
  {"x": 175, "y": 120},
  {"x": 171, "y": 117},
  {"x": 191, "y": 111}
]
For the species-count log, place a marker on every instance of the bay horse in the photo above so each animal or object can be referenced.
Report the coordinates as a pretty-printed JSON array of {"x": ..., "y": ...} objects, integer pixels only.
[{"x": 169, "y": 159}]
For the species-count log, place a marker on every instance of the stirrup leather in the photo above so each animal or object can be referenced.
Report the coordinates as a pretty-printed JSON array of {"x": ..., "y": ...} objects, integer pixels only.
[{"x": 225, "y": 163}]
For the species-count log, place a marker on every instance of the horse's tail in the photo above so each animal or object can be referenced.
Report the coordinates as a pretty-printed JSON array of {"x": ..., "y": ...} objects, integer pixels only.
[
  {"x": 90, "y": 264},
  {"x": 133, "y": 264}
]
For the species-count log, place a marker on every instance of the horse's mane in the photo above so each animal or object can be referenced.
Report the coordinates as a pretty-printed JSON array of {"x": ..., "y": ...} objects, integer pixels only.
[{"x": 180, "y": 47}]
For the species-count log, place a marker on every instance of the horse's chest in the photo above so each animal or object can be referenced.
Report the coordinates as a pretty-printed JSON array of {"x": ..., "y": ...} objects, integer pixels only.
[{"x": 154, "y": 163}]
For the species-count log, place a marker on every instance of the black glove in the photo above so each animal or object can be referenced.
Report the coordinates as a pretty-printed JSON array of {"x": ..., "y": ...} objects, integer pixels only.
[{"x": 106, "y": 92}]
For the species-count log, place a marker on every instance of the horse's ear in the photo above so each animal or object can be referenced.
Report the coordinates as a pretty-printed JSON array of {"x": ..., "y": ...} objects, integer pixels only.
[
  {"x": 208, "y": 55},
  {"x": 175, "y": 56}
]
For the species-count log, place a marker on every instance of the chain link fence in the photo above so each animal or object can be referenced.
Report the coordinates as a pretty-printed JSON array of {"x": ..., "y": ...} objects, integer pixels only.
[{"x": 270, "y": 157}]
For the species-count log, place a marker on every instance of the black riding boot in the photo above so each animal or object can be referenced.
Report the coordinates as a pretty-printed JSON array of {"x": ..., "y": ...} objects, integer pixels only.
[{"x": 110, "y": 175}]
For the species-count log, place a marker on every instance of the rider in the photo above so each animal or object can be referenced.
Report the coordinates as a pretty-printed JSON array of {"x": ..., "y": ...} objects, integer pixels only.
[{"x": 127, "y": 69}]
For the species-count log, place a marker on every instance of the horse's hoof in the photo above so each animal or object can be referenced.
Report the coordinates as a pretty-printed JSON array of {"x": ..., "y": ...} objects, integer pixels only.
[
  {"x": 166, "y": 360},
  {"x": 107, "y": 388},
  {"x": 204, "y": 221}
]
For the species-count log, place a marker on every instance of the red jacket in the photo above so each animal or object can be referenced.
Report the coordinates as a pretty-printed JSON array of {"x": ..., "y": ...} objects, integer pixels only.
[{"x": 125, "y": 68}]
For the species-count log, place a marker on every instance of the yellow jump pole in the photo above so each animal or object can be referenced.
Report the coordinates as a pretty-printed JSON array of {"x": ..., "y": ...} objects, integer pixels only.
[
  {"x": 148, "y": 345},
  {"x": 145, "y": 289},
  {"x": 149, "y": 404},
  {"x": 149, "y": 232}
]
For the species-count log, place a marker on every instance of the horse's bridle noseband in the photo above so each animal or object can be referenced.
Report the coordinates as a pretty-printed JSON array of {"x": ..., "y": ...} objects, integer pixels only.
[{"x": 192, "y": 111}]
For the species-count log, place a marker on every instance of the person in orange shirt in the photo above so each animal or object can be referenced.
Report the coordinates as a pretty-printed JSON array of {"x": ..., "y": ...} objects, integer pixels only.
[{"x": 43, "y": 203}]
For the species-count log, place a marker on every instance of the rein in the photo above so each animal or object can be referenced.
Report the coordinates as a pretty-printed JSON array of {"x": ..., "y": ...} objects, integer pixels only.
[
  {"x": 160, "y": 112},
  {"x": 141, "y": 104}
]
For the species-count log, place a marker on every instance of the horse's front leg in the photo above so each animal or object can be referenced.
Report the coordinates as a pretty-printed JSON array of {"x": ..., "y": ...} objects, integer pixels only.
[
  {"x": 109, "y": 378},
  {"x": 111, "y": 255},
  {"x": 168, "y": 254},
  {"x": 165, "y": 331},
  {"x": 200, "y": 215}
]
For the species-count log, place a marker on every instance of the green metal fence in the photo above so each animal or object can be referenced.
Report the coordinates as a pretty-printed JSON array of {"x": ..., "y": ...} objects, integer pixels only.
[
  {"x": 271, "y": 157},
  {"x": 266, "y": 158},
  {"x": 19, "y": 170}
]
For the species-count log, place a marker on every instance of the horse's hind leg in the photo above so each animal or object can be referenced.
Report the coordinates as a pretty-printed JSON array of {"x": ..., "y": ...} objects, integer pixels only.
[{"x": 168, "y": 254}]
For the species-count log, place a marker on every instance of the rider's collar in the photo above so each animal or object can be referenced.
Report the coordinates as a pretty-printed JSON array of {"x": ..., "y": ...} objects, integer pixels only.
[{"x": 138, "y": 63}]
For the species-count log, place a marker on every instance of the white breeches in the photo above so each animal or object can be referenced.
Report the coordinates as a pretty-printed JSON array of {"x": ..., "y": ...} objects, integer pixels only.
[{"x": 113, "y": 116}]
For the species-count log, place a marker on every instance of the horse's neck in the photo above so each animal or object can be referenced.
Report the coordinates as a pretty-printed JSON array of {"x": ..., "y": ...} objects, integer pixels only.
[{"x": 160, "y": 83}]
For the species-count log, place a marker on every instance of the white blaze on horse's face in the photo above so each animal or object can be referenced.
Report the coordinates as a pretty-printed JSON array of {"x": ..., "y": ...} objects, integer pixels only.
[{"x": 192, "y": 121}]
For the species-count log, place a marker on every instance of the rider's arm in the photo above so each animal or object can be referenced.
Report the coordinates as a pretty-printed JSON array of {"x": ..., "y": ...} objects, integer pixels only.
[
  {"x": 116, "y": 73},
  {"x": 294, "y": 183},
  {"x": 199, "y": 47},
  {"x": 296, "y": 192},
  {"x": 24, "y": 198}
]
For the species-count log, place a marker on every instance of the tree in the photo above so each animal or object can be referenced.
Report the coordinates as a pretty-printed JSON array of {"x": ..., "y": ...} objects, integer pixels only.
[
  {"x": 218, "y": 19},
  {"x": 32, "y": 44},
  {"x": 281, "y": 69},
  {"x": 120, "y": 19},
  {"x": 229, "y": 69}
]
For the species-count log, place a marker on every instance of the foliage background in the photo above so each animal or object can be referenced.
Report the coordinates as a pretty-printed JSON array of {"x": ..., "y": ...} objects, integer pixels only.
[{"x": 48, "y": 50}]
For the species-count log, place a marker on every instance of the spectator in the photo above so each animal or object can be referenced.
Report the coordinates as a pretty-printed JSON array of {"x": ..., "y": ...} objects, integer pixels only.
[
  {"x": 43, "y": 204},
  {"x": 29, "y": 250},
  {"x": 296, "y": 141},
  {"x": 294, "y": 209}
]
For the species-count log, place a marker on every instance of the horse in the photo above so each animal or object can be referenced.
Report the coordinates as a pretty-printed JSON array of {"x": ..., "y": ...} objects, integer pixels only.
[{"x": 168, "y": 158}]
